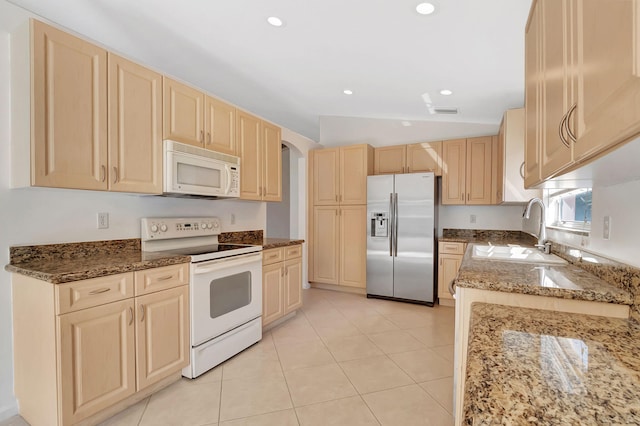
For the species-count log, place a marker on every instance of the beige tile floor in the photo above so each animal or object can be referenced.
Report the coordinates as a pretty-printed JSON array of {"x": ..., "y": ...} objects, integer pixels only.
[{"x": 342, "y": 360}]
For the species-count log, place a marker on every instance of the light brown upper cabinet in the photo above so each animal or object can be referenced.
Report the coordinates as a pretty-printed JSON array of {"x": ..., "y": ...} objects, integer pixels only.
[
  {"x": 66, "y": 124},
  {"x": 194, "y": 118},
  {"x": 340, "y": 174},
  {"x": 259, "y": 149},
  {"x": 412, "y": 158},
  {"x": 582, "y": 93},
  {"x": 467, "y": 172},
  {"x": 509, "y": 160},
  {"x": 135, "y": 127}
]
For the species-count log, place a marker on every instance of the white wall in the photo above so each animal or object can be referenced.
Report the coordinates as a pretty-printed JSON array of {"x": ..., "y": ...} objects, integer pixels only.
[{"x": 487, "y": 217}]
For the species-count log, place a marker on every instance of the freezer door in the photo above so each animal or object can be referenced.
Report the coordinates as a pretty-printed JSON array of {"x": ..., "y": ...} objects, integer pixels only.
[
  {"x": 413, "y": 266},
  {"x": 379, "y": 259}
]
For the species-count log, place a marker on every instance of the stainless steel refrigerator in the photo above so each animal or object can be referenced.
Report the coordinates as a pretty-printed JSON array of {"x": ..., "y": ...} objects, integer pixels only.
[{"x": 401, "y": 223}]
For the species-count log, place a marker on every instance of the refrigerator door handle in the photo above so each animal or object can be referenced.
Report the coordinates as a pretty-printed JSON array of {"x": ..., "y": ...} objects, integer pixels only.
[
  {"x": 395, "y": 224},
  {"x": 391, "y": 222}
]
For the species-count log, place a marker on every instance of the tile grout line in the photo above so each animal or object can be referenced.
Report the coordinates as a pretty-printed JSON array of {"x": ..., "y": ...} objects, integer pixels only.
[{"x": 284, "y": 376}]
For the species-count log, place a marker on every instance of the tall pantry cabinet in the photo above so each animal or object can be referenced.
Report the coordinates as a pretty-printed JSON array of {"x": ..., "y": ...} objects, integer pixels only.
[{"x": 337, "y": 215}]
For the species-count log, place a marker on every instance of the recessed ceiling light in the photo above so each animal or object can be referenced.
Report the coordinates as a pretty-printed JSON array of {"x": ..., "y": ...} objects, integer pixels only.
[
  {"x": 446, "y": 92},
  {"x": 347, "y": 92},
  {"x": 425, "y": 8},
  {"x": 275, "y": 21}
]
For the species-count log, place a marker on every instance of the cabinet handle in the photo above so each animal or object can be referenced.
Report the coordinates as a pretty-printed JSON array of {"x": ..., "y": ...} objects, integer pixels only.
[
  {"x": 141, "y": 309},
  {"x": 522, "y": 170},
  {"x": 208, "y": 138},
  {"x": 166, "y": 277},
  {"x": 560, "y": 127},
  {"x": 103, "y": 173},
  {"x": 202, "y": 136},
  {"x": 130, "y": 315},
  {"x": 336, "y": 198},
  {"x": 282, "y": 272},
  {"x": 286, "y": 271},
  {"x": 568, "y": 127},
  {"x": 98, "y": 291},
  {"x": 115, "y": 174}
]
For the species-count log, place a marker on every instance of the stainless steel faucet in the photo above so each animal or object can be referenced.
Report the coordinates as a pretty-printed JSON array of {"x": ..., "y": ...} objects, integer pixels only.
[{"x": 543, "y": 245}]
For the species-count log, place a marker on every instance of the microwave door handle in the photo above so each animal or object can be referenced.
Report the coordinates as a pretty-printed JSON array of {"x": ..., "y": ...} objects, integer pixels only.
[{"x": 228, "y": 169}]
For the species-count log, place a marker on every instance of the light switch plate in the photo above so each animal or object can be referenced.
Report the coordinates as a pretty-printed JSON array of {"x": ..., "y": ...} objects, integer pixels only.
[
  {"x": 103, "y": 220},
  {"x": 472, "y": 218},
  {"x": 606, "y": 227}
]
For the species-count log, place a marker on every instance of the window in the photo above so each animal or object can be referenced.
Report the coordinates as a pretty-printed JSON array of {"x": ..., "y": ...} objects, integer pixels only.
[{"x": 570, "y": 209}]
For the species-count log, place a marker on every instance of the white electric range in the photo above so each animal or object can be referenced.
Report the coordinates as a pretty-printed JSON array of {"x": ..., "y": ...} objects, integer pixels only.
[{"x": 225, "y": 291}]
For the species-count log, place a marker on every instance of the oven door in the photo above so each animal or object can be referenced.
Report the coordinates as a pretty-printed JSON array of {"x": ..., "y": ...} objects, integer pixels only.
[
  {"x": 225, "y": 293},
  {"x": 194, "y": 175}
]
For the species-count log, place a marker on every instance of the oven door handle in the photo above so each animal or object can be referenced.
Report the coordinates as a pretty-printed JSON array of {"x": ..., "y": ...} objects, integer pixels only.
[{"x": 220, "y": 264}]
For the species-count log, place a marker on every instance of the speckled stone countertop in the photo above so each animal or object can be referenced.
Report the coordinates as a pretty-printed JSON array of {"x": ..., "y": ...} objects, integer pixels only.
[
  {"x": 257, "y": 238},
  {"x": 61, "y": 263},
  {"x": 529, "y": 366},
  {"x": 269, "y": 243},
  {"x": 563, "y": 281},
  {"x": 485, "y": 235}
]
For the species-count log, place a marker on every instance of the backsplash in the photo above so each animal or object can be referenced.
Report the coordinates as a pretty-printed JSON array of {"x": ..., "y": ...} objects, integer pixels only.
[
  {"x": 616, "y": 273},
  {"x": 242, "y": 237},
  {"x": 488, "y": 235},
  {"x": 47, "y": 252}
]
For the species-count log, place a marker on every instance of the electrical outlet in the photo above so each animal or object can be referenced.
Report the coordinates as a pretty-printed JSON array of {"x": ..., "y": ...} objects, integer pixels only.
[
  {"x": 233, "y": 219},
  {"x": 472, "y": 218},
  {"x": 103, "y": 220},
  {"x": 606, "y": 228}
]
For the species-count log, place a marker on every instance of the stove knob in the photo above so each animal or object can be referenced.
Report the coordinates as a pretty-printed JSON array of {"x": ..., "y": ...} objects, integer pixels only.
[
  {"x": 203, "y": 225},
  {"x": 216, "y": 224},
  {"x": 163, "y": 228},
  {"x": 210, "y": 226},
  {"x": 154, "y": 228}
]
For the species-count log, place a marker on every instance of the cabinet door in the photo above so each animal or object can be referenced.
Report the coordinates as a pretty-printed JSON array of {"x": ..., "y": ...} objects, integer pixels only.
[
  {"x": 219, "y": 126},
  {"x": 183, "y": 113},
  {"x": 250, "y": 153},
  {"x": 96, "y": 359},
  {"x": 497, "y": 171},
  {"x": 326, "y": 234},
  {"x": 447, "y": 272},
  {"x": 135, "y": 127},
  {"x": 390, "y": 160},
  {"x": 608, "y": 86},
  {"x": 354, "y": 167},
  {"x": 555, "y": 155},
  {"x": 326, "y": 176},
  {"x": 533, "y": 100},
  {"x": 425, "y": 157},
  {"x": 272, "y": 162},
  {"x": 454, "y": 154},
  {"x": 69, "y": 111},
  {"x": 292, "y": 285},
  {"x": 272, "y": 292},
  {"x": 353, "y": 246},
  {"x": 478, "y": 182}
]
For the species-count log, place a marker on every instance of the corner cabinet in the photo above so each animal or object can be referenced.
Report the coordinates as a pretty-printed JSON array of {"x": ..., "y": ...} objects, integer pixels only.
[
  {"x": 467, "y": 171},
  {"x": 260, "y": 152},
  {"x": 281, "y": 282},
  {"x": 85, "y": 346}
]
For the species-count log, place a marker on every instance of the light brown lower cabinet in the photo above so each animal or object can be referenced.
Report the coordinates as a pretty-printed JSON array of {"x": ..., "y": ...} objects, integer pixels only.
[
  {"x": 77, "y": 351},
  {"x": 450, "y": 256},
  {"x": 281, "y": 282}
]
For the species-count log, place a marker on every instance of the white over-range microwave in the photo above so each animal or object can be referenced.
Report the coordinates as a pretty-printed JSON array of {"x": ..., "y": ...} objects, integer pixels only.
[{"x": 190, "y": 171}]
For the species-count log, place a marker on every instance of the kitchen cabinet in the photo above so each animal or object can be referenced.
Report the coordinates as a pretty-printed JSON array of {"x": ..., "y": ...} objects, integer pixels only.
[
  {"x": 197, "y": 119},
  {"x": 339, "y": 253},
  {"x": 259, "y": 149},
  {"x": 509, "y": 160},
  {"x": 450, "y": 256},
  {"x": 85, "y": 346},
  {"x": 135, "y": 127},
  {"x": 467, "y": 171},
  {"x": 339, "y": 175},
  {"x": 412, "y": 158},
  {"x": 281, "y": 282},
  {"x": 581, "y": 83}
]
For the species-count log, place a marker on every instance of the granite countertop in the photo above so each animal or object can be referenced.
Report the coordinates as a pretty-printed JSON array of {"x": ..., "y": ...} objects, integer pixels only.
[
  {"x": 484, "y": 236},
  {"x": 529, "y": 366},
  {"x": 62, "y": 263},
  {"x": 269, "y": 243},
  {"x": 563, "y": 281}
]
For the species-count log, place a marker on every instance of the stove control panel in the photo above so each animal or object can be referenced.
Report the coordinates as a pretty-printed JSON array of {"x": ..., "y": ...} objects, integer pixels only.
[{"x": 157, "y": 228}]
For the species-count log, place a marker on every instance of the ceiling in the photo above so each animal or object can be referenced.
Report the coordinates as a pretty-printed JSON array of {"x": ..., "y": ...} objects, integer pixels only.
[{"x": 382, "y": 50}]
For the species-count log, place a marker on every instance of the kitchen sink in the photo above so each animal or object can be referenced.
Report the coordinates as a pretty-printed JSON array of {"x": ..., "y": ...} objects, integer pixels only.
[{"x": 515, "y": 253}]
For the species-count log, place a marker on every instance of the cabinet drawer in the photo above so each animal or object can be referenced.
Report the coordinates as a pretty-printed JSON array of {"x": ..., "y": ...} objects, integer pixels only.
[
  {"x": 156, "y": 279},
  {"x": 292, "y": 252},
  {"x": 272, "y": 256},
  {"x": 71, "y": 297},
  {"x": 451, "y": 248}
]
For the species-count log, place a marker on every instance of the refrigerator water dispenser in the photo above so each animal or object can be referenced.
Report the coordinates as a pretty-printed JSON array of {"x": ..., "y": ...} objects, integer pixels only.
[{"x": 379, "y": 225}]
